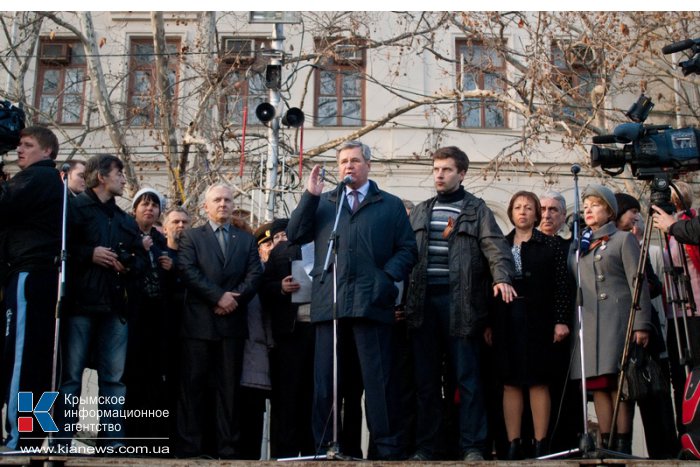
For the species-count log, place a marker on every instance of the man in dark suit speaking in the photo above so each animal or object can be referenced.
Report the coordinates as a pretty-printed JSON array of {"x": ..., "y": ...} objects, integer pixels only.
[
  {"x": 376, "y": 247},
  {"x": 221, "y": 269}
]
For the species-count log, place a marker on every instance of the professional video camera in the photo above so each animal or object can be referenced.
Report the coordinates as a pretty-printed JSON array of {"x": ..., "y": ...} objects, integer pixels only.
[
  {"x": 655, "y": 152},
  {"x": 11, "y": 123},
  {"x": 648, "y": 149},
  {"x": 691, "y": 65},
  {"x": 652, "y": 149}
]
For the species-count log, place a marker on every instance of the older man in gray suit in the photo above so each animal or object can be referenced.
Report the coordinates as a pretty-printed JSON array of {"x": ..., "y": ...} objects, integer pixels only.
[{"x": 221, "y": 269}]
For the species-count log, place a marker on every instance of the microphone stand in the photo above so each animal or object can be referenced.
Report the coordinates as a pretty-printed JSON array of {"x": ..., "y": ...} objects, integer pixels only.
[
  {"x": 333, "y": 452},
  {"x": 586, "y": 441},
  {"x": 61, "y": 289}
]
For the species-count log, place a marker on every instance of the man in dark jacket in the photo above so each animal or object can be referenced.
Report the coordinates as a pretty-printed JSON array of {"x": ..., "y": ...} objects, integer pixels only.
[
  {"x": 375, "y": 248},
  {"x": 175, "y": 222},
  {"x": 566, "y": 414},
  {"x": 30, "y": 210},
  {"x": 102, "y": 240},
  {"x": 462, "y": 256}
]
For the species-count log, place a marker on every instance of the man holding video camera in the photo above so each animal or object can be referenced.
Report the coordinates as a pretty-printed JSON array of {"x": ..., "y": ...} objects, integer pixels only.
[{"x": 30, "y": 209}]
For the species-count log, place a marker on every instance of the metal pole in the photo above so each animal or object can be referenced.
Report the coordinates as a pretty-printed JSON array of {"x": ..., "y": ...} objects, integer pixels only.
[{"x": 274, "y": 129}]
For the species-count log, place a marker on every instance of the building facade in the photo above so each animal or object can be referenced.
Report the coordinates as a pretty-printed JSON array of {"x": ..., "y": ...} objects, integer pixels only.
[{"x": 175, "y": 94}]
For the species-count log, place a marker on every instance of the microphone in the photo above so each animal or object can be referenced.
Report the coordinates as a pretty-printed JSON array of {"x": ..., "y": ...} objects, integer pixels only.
[
  {"x": 679, "y": 46},
  {"x": 605, "y": 139},
  {"x": 575, "y": 169},
  {"x": 348, "y": 179},
  {"x": 65, "y": 168}
]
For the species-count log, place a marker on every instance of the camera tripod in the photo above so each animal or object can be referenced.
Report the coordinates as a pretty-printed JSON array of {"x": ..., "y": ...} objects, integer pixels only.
[{"x": 676, "y": 283}]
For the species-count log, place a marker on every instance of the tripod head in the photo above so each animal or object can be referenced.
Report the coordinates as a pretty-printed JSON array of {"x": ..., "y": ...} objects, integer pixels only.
[{"x": 660, "y": 196}]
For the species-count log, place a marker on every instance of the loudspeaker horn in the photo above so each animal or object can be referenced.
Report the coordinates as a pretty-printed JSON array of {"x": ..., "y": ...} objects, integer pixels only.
[
  {"x": 294, "y": 118},
  {"x": 265, "y": 112}
]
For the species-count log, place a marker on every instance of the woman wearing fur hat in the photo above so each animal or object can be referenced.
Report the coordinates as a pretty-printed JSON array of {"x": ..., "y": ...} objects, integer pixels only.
[{"x": 608, "y": 264}]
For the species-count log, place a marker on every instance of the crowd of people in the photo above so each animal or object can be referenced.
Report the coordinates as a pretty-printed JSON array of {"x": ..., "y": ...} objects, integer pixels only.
[{"x": 460, "y": 341}]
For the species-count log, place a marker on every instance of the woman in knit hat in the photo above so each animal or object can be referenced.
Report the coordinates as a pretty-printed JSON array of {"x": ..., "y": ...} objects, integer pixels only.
[
  {"x": 147, "y": 352},
  {"x": 608, "y": 265}
]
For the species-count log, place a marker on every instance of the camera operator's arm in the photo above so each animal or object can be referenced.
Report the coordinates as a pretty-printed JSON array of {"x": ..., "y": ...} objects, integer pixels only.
[
  {"x": 662, "y": 220},
  {"x": 685, "y": 231}
]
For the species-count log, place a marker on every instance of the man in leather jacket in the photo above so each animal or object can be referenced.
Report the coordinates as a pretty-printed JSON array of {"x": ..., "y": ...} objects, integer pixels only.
[{"x": 462, "y": 256}]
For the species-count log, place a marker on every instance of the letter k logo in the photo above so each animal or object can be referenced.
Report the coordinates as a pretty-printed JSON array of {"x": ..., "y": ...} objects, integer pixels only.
[{"x": 25, "y": 403}]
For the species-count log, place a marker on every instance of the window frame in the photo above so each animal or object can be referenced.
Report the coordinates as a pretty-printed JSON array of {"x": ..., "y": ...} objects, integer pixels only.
[
  {"x": 239, "y": 90},
  {"x": 45, "y": 65},
  {"x": 573, "y": 73},
  {"x": 334, "y": 63},
  {"x": 481, "y": 73},
  {"x": 151, "y": 117}
]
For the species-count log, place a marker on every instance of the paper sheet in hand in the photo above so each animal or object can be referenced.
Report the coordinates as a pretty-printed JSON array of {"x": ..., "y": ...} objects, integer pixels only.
[{"x": 303, "y": 295}]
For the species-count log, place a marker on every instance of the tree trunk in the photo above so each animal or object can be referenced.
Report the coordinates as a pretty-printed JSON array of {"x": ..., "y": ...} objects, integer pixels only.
[
  {"x": 94, "y": 69},
  {"x": 163, "y": 104}
]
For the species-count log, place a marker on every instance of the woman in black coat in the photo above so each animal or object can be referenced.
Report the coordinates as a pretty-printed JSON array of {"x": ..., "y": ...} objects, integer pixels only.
[
  {"x": 525, "y": 329},
  {"x": 145, "y": 373}
]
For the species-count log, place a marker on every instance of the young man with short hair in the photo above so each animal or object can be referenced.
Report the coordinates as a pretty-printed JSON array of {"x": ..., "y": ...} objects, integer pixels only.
[
  {"x": 31, "y": 204},
  {"x": 462, "y": 256}
]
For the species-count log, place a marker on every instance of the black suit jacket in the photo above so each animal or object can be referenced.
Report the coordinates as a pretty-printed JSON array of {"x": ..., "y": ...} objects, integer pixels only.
[
  {"x": 279, "y": 306},
  {"x": 208, "y": 273}
]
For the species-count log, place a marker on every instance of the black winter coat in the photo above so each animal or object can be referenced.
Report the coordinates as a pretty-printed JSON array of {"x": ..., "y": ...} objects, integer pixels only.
[
  {"x": 31, "y": 204},
  {"x": 282, "y": 312},
  {"x": 93, "y": 288},
  {"x": 375, "y": 245},
  {"x": 687, "y": 231}
]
